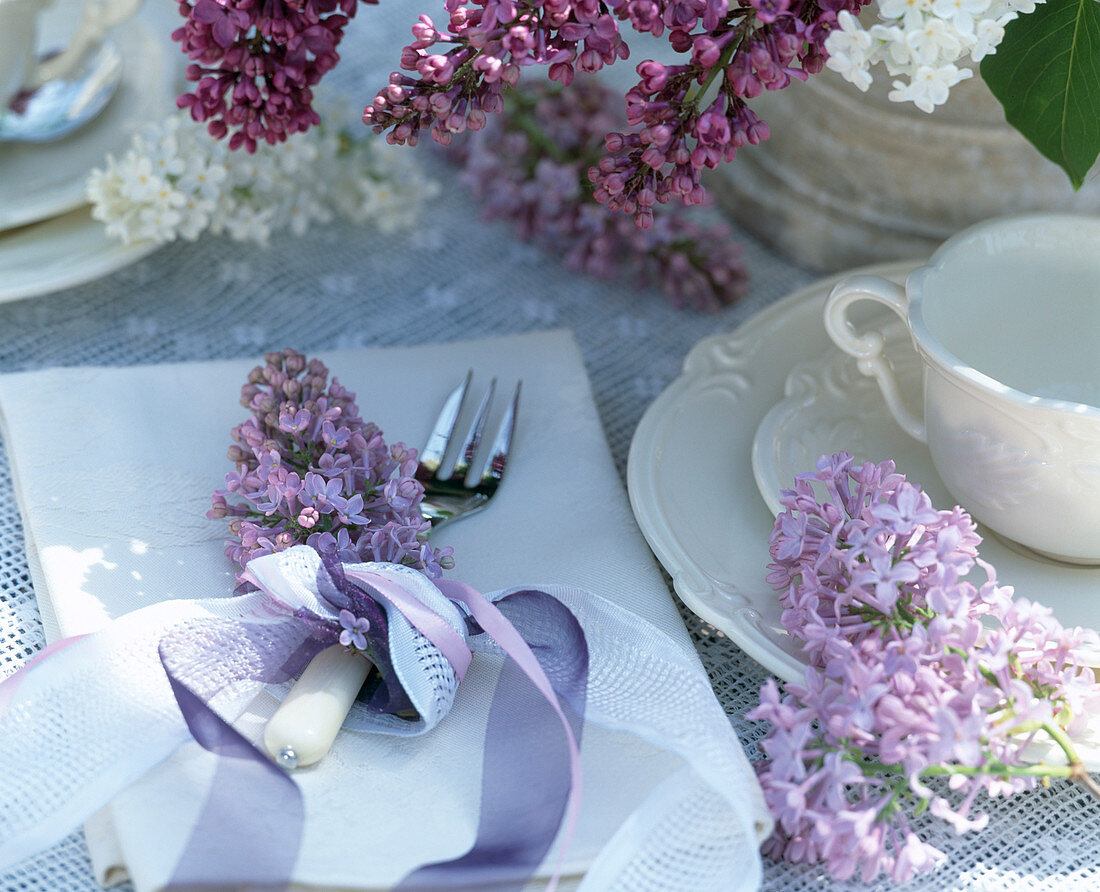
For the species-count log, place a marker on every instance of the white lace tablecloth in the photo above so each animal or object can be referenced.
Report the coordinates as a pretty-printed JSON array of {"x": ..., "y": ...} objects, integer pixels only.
[{"x": 341, "y": 287}]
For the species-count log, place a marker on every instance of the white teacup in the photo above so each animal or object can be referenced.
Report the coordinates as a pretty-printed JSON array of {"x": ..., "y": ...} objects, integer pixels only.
[
  {"x": 20, "y": 69},
  {"x": 1006, "y": 320}
]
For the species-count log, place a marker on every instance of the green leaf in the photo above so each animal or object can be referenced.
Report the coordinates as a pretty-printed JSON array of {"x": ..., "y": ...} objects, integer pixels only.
[{"x": 1046, "y": 74}]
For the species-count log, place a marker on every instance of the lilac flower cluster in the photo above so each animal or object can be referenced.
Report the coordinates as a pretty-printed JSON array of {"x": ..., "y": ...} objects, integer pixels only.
[
  {"x": 914, "y": 672},
  {"x": 255, "y": 63},
  {"x": 686, "y": 117},
  {"x": 310, "y": 470},
  {"x": 528, "y": 166}
]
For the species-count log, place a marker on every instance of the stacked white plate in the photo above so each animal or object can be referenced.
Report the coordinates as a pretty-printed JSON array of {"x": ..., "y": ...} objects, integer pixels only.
[{"x": 48, "y": 239}]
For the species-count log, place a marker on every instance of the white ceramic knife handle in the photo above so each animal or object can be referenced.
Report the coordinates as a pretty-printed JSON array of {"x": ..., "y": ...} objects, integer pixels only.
[{"x": 306, "y": 723}]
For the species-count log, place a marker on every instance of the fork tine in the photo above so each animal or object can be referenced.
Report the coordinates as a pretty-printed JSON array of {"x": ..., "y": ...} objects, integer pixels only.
[
  {"x": 432, "y": 455},
  {"x": 502, "y": 444},
  {"x": 473, "y": 439}
]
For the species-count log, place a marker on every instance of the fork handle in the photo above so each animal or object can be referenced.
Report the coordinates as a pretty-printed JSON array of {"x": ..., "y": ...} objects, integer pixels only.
[{"x": 304, "y": 726}]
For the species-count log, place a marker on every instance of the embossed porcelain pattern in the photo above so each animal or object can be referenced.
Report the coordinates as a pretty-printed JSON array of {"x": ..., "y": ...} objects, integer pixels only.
[{"x": 1006, "y": 320}]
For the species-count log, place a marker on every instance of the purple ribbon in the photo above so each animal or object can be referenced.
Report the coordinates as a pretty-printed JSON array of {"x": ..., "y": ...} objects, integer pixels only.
[
  {"x": 249, "y": 829},
  {"x": 250, "y": 826},
  {"x": 425, "y": 620},
  {"x": 531, "y": 774}
]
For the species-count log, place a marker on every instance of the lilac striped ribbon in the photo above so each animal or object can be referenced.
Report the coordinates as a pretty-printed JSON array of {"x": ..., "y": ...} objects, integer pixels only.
[{"x": 531, "y": 773}]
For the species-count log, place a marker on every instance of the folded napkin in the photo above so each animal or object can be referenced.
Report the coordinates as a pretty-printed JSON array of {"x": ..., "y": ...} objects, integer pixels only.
[{"x": 113, "y": 470}]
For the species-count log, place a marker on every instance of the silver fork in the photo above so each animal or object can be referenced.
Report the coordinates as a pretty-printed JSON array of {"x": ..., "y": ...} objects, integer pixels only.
[
  {"x": 462, "y": 491},
  {"x": 304, "y": 727}
]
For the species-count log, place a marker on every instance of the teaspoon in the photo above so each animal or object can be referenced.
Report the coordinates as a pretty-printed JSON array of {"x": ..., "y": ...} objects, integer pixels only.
[{"x": 65, "y": 104}]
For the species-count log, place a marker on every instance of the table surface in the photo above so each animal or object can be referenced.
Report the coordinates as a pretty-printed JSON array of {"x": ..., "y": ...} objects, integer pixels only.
[{"x": 343, "y": 286}]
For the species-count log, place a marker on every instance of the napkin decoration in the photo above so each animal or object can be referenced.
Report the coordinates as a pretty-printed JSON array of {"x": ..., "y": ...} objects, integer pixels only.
[
  {"x": 127, "y": 557},
  {"x": 184, "y": 669}
]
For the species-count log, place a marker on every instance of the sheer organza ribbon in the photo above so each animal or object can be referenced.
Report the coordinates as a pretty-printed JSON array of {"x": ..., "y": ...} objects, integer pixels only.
[{"x": 201, "y": 662}]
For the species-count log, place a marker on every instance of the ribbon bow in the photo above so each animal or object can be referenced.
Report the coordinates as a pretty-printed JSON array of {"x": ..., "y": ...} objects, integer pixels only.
[{"x": 185, "y": 669}]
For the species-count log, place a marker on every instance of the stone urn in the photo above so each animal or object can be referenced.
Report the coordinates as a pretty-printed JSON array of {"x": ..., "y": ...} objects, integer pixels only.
[{"x": 849, "y": 178}]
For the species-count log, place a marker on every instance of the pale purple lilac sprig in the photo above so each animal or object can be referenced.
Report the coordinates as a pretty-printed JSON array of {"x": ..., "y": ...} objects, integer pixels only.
[
  {"x": 529, "y": 166},
  {"x": 915, "y": 672},
  {"x": 310, "y": 471},
  {"x": 254, "y": 63}
]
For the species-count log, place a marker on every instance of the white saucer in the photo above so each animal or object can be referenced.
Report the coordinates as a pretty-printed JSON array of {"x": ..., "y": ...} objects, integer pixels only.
[
  {"x": 42, "y": 181},
  {"x": 830, "y": 407},
  {"x": 689, "y": 473},
  {"x": 693, "y": 490},
  {"x": 60, "y": 253}
]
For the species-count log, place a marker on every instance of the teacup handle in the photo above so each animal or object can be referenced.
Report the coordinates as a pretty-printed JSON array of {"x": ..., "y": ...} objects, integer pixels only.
[
  {"x": 99, "y": 17},
  {"x": 867, "y": 347}
]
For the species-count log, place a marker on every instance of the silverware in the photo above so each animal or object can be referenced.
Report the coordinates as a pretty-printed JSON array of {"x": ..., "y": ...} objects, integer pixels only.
[
  {"x": 63, "y": 105},
  {"x": 462, "y": 491},
  {"x": 306, "y": 723}
]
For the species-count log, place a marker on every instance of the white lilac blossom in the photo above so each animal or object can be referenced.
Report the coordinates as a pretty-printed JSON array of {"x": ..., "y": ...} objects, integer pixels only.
[
  {"x": 177, "y": 182},
  {"x": 914, "y": 673},
  {"x": 310, "y": 471},
  {"x": 923, "y": 44}
]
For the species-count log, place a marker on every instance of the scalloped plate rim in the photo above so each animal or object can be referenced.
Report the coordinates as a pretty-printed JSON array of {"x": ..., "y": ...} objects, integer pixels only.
[
  {"x": 648, "y": 466},
  {"x": 647, "y": 462}
]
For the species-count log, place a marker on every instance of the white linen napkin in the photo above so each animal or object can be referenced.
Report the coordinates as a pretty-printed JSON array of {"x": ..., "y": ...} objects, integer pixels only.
[{"x": 114, "y": 469}]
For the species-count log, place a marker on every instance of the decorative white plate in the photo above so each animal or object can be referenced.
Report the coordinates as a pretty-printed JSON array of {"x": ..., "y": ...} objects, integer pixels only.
[
  {"x": 42, "y": 181},
  {"x": 692, "y": 487},
  {"x": 689, "y": 472},
  {"x": 830, "y": 407},
  {"x": 60, "y": 253}
]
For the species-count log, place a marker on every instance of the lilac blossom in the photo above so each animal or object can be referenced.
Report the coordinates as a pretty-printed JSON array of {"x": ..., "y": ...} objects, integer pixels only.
[
  {"x": 255, "y": 63},
  {"x": 529, "y": 166},
  {"x": 915, "y": 671},
  {"x": 310, "y": 471},
  {"x": 683, "y": 118},
  {"x": 353, "y": 632}
]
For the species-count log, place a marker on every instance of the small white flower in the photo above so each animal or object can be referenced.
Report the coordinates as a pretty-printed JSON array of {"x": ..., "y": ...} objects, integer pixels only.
[
  {"x": 987, "y": 37},
  {"x": 893, "y": 48},
  {"x": 140, "y": 183},
  {"x": 929, "y": 86},
  {"x": 934, "y": 44},
  {"x": 196, "y": 214},
  {"x": 911, "y": 12},
  {"x": 158, "y": 222},
  {"x": 250, "y": 224},
  {"x": 162, "y": 150},
  {"x": 176, "y": 181},
  {"x": 202, "y": 178},
  {"x": 850, "y": 48},
  {"x": 962, "y": 14}
]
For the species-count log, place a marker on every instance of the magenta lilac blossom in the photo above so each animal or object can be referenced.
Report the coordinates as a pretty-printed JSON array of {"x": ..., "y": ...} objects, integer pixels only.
[
  {"x": 684, "y": 118},
  {"x": 255, "y": 63},
  {"x": 915, "y": 672},
  {"x": 528, "y": 166},
  {"x": 310, "y": 471}
]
